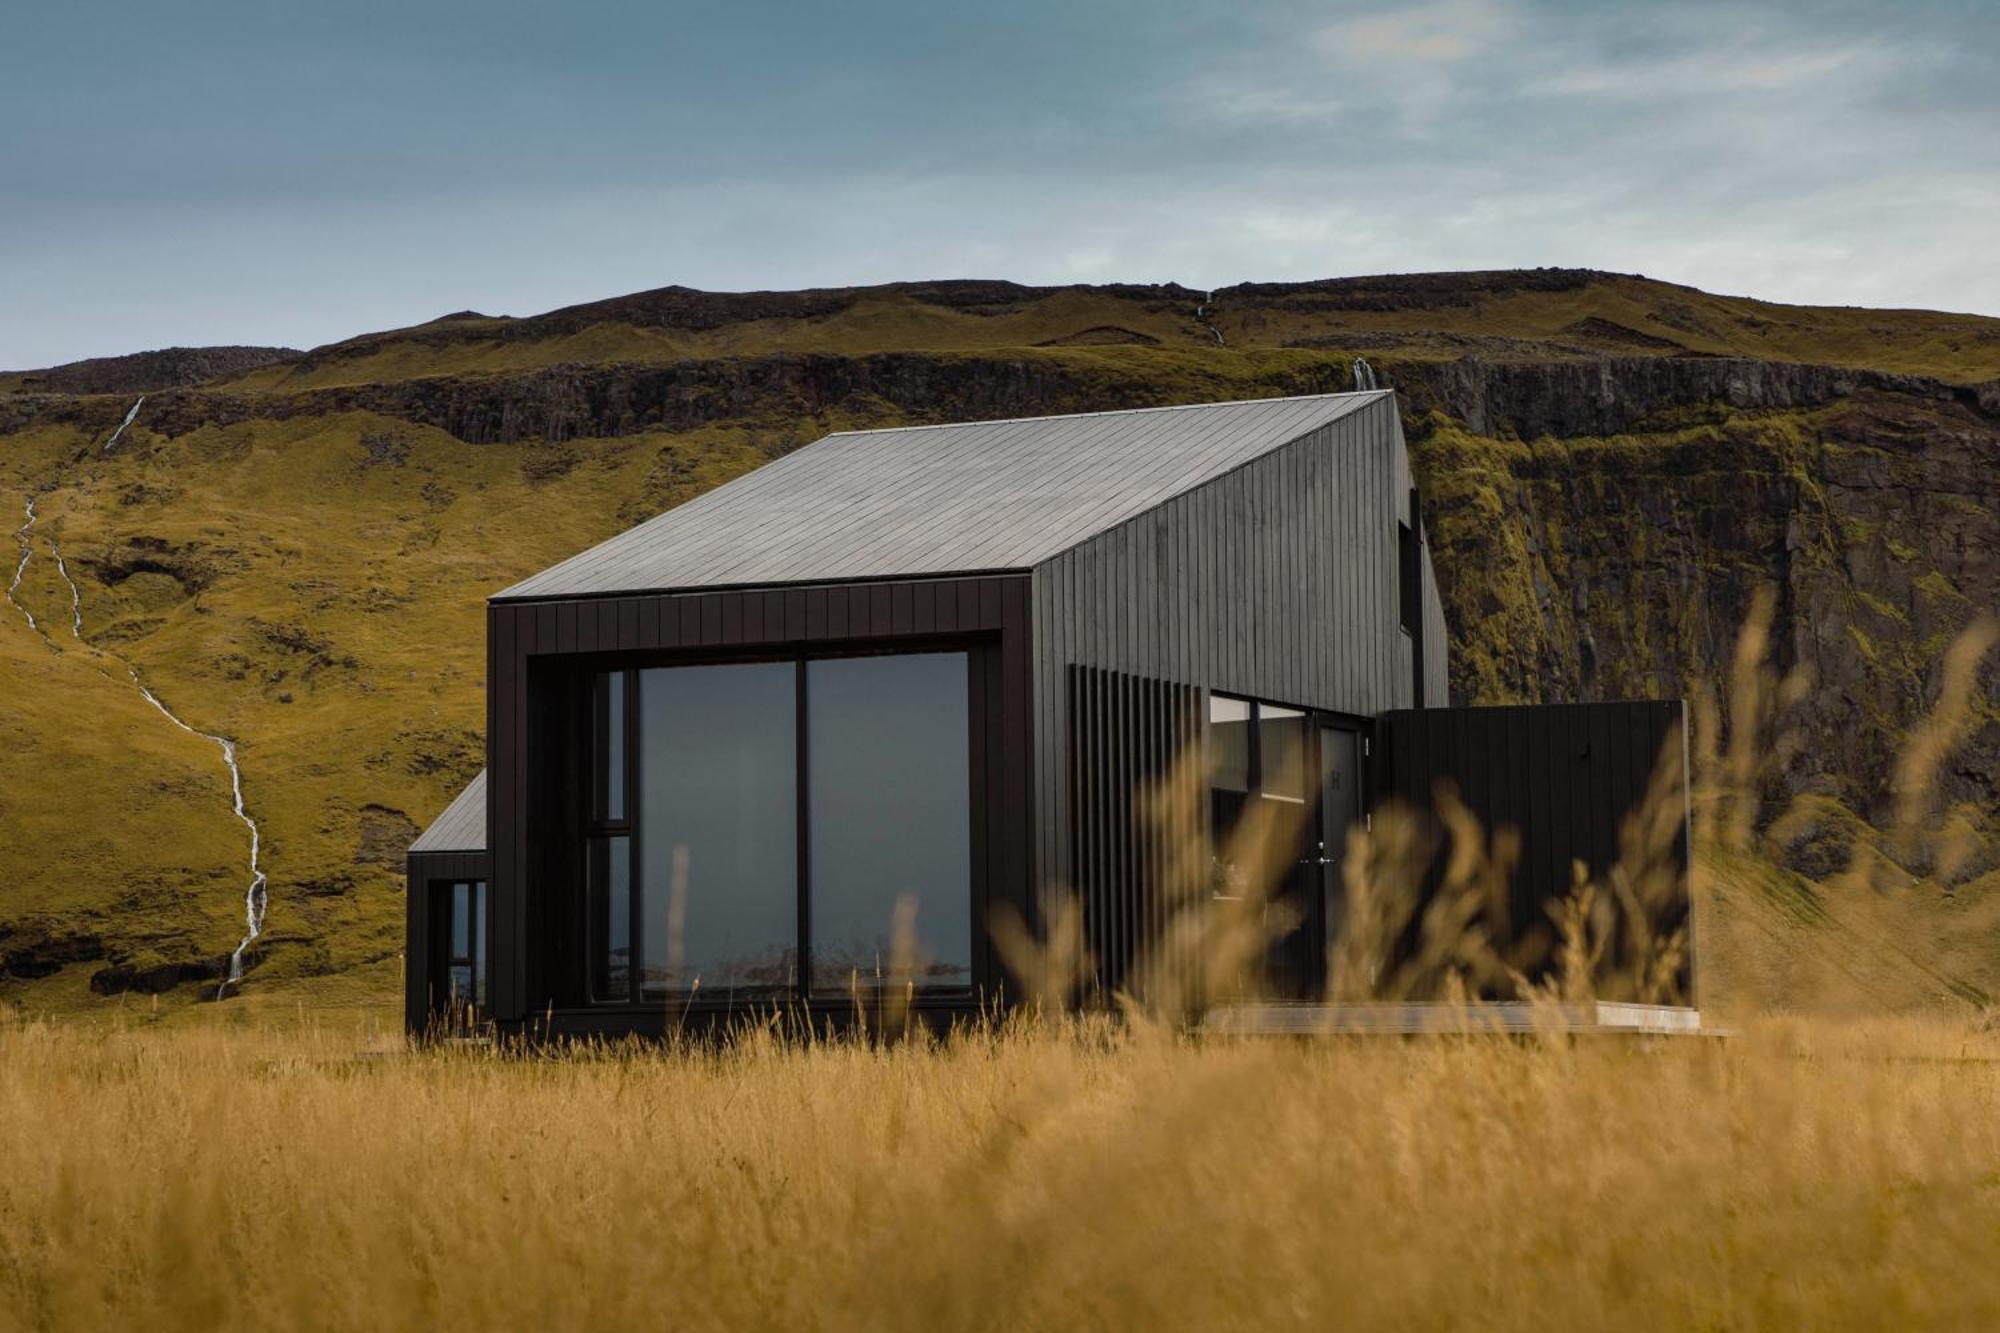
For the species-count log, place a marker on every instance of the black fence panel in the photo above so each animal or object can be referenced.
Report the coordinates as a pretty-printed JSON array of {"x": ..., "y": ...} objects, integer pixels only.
[{"x": 1601, "y": 786}]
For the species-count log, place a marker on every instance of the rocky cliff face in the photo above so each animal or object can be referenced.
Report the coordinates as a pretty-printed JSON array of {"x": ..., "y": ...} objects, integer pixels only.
[{"x": 1607, "y": 544}]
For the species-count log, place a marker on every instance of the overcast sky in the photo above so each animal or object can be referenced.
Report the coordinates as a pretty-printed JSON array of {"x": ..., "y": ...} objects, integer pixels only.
[{"x": 192, "y": 173}]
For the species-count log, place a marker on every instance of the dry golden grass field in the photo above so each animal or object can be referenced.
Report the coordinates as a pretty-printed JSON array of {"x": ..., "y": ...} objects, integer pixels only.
[{"x": 1801, "y": 1175}]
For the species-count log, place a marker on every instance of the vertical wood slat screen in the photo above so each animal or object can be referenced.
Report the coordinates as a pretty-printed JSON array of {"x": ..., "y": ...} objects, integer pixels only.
[
  {"x": 1565, "y": 776},
  {"x": 1127, "y": 734}
]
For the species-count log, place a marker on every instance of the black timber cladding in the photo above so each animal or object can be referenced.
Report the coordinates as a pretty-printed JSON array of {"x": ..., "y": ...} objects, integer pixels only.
[
  {"x": 527, "y": 642},
  {"x": 1277, "y": 580},
  {"x": 453, "y": 848},
  {"x": 423, "y": 870},
  {"x": 1565, "y": 776},
  {"x": 977, "y": 497}
]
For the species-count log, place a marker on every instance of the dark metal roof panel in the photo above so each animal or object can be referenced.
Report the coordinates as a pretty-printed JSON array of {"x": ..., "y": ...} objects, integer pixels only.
[
  {"x": 462, "y": 826},
  {"x": 925, "y": 500}
]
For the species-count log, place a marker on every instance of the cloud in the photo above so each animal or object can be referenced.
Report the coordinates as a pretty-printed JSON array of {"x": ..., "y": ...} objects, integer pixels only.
[
  {"x": 1725, "y": 68},
  {"x": 1444, "y": 32}
]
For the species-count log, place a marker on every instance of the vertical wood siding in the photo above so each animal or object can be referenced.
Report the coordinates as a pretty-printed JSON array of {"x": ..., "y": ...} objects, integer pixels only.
[{"x": 1277, "y": 581}]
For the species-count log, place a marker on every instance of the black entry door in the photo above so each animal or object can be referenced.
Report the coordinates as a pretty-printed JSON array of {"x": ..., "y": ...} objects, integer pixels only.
[
  {"x": 1285, "y": 785},
  {"x": 1301, "y": 772}
]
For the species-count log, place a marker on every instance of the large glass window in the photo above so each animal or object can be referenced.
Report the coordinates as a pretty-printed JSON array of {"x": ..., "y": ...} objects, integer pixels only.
[
  {"x": 718, "y": 828},
  {"x": 890, "y": 821}
]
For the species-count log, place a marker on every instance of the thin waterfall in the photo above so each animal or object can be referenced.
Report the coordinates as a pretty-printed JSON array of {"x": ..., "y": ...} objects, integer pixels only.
[
  {"x": 75, "y": 596},
  {"x": 1201, "y": 314},
  {"x": 27, "y": 551},
  {"x": 123, "y": 424},
  {"x": 257, "y": 897}
]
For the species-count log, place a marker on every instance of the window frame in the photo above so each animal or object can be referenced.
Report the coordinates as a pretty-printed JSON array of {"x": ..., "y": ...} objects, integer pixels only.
[
  {"x": 594, "y": 828},
  {"x": 476, "y": 957},
  {"x": 601, "y": 830},
  {"x": 1257, "y": 786}
]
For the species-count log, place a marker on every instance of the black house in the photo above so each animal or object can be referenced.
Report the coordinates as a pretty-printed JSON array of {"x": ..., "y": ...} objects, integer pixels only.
[{"x": 860, "y": 701}]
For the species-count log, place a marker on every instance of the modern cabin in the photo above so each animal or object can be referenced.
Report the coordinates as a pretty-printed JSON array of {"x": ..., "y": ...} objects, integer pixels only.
[{"x": 808, "y": 737}]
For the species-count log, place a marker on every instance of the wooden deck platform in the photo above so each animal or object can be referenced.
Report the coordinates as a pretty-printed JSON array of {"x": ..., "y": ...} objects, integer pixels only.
[{"x": 1420, "y": 1019}]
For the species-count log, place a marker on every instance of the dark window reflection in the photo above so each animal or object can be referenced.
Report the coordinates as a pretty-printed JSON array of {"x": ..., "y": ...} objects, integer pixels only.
[
  {"x": 718, "y": 827},
  {"x": 610, "y": 724},
  {"x": 1229, "y": 743},
  {"x": 891, "y": 838},
  {"x": 611, "y": 918},
  {"x": 465, "y": 945},
  {"x": 461, "y": 921},
  {"x": 1229, "y": 722}
]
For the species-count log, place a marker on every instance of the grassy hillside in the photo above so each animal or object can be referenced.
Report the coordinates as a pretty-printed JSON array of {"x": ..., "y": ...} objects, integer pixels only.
[
  {"x": 297, "y": 557},
  {"x": 1561, "y": 313},
  {"x": 312, "y": 589}
]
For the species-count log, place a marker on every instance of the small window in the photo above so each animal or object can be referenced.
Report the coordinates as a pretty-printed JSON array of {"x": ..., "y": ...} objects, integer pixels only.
[
  {"x": 1257, "y": 752},
  {"x": 1281, "y": 753},
  {"x": 464, "y": 971},
  {"x": 1229, "y": 743}
]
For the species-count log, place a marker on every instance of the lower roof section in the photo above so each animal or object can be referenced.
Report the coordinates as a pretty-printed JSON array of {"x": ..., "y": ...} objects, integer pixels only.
[{"x": 462, "y": 826}]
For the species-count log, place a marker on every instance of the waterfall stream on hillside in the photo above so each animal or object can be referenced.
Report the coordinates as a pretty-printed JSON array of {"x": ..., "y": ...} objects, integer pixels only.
[
  {"x": 126, "y": 422},
  {"x": 1201, "y": 314},
  {"x": 75, "y": 595},
  {"x": 26, "y": 551},
  {"x": 257, "y": 896}
]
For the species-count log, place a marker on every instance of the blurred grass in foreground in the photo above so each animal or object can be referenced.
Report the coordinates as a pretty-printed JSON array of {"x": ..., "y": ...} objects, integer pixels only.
[{"x": 1060, "y": 1176}]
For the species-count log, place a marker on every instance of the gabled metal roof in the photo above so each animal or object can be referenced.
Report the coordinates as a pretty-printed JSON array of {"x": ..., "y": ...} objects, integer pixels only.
[
  {"x": 922, "y": 500},
  {"x": 462, "y": 826}
]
